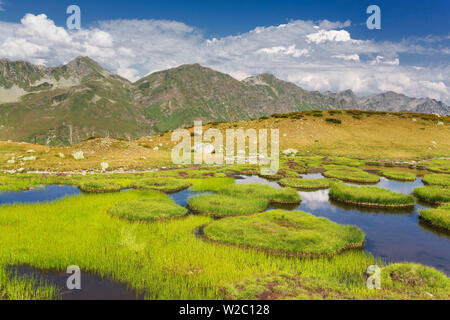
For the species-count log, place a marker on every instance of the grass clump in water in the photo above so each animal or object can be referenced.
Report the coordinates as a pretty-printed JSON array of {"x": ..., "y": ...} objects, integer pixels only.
[
  {"x": 370, "y": 196},
  {"x": 306, "y": 184},
  {"x": 399, "y": 175},
  {"x": 433, "y": 194},
  {"x": 254, "y": 190},
  {"x": 218, "y": 205},
  {"x": 155, "y": 207},
  {"x": 439, "y": 217},
  {"x": 286, "y": 232},
  {"x": 161, "y": 184},
  {"x": 437, "y": 179},
  {"x": 210, "y": 184},
  {"x": 415, "y": 281},
  {"x": 100, "y": 187},
  {"x": 350, "y": 174}
]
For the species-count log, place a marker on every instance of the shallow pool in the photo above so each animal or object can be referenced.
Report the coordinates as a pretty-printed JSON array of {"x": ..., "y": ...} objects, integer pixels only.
[{"x": 42, "y": 194}]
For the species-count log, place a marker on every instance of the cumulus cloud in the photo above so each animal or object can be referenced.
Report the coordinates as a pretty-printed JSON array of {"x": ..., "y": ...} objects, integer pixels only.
[{"x": 315, "y": 55}]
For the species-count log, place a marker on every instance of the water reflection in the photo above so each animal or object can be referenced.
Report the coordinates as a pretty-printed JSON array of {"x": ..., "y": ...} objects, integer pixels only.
[{"x": 42, "y": 194}]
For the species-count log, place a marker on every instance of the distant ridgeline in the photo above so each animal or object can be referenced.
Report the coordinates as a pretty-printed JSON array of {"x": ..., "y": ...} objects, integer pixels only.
[{"x": 69, "y": 103}]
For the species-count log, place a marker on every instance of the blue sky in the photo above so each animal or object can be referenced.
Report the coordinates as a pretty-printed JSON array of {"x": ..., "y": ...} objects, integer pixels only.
[
  {"x": 220, "y": 18},
  {"x": 319, "y": 45}
]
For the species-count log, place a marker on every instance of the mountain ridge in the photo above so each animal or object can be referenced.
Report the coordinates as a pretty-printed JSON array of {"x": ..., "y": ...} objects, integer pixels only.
[{"x": 68, "y": 103}]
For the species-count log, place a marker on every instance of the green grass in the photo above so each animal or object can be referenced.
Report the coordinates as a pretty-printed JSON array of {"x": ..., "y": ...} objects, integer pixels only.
[
  {"x": 438, "y": 165},
  {"x": 210, "y": 184},
  {"x": 163, "y": 259},
  {"x": 344, "y": 161},
  {"x": 100, "y": 187},
  {"x": 285, "y": 195},
  {"x": 155, "y": 206},
  {"x": 370, "y": 196},
  {"x": 286, "y": 232},
  {"x": 161, "y": 184},
  {"x": 437, "y": 179},
  {"x": 307, "y": 184},
  {"x": 439, "y": 217},
  {"x": 398, "y": 175},
  {"x": 218, "y": 205},
  {"x": 415, "y": 281},
  {"x": 350, "y": 174},
  {"x": 433, "y": 194}
]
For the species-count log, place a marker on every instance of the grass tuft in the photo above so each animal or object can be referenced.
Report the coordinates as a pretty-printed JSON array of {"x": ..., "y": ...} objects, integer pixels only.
[
  {"x": 306, "y": 184},
  {"x": 350, "y": 174},
  {"x": 398, "y": 175},
  {"x": 161, "y": 184},
  {"x": 286, "y": 232},
  {"x": 285, "y": 195},
  {"x": 370, "y": 196},
  {"x": 437, "y": 179},
  {"x": 439, "y": 217},
  {"x": 433, "y": 194}
]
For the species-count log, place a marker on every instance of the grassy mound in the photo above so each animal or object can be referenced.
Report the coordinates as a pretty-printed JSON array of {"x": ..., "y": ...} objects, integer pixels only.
[
  {"x": 210, "y": 184},
  {"x": 286, "y": 232},
  {"x": 218, "y": 205},
  {"x": 148, "y": 209},
  {"x": 370, "y": 196},
  {"x": 438, "y": 165},
  {"x": 286, "y": 195},
  {"x": 433, "y": 194},
  {"x": 439, "y": 217},
  {"x": 415, "y": 281},
  {"x": 398, "y": 175},
  {"x": 307, "y": 184},
  {"x": 437, "y": 179},
  {"x": 161, "y": 184},
  {"x": 100, "y": 187},
  {"x": 350, "y": 174}
]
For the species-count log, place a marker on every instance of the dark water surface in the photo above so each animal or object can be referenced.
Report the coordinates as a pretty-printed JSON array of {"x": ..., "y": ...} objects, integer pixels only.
[
  {"x": 43, "y": 194},
  {"x": 92, "y": 287},
  {"x": 392, "y": 234}
]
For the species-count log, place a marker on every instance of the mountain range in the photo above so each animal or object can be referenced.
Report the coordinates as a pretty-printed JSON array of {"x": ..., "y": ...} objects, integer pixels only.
[{"x": 69, "y": 103}]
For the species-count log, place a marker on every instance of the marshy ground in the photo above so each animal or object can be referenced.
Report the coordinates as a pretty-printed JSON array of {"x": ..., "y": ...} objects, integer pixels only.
[{"x": 156, "y": 231}]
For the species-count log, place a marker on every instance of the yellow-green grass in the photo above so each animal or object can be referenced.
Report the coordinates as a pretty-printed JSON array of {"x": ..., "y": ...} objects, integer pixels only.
[
  {"x": 306, "y": 184},
  {"x": 344, "y": 161},
  {"x": 161, "y": 184},
  {"x": 210, "y": 184},
  {"x": 254, "y": 190},
  {"x": 433, "y": 194},
  {"x": 415, "y": 281},
  {"x": 398, "y": 175},
  {"x": 350, "y": 174},
  {"x": 405, "y": 281},
  {"x": 218, "y": 205},
  {"x": 370, "y": 196},
  {"x": 438, "y": 217},
  {"x": 286, "y": 232},
  {"x": 438, "y": 165},
  {"x": 437, "y": 179},
  {"x": 164, "y": 259},
  {"x": 100, "y": 187}
]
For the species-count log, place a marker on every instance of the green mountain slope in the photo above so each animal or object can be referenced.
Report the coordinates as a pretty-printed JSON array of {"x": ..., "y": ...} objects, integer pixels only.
[{"x": 69, "y": 103}]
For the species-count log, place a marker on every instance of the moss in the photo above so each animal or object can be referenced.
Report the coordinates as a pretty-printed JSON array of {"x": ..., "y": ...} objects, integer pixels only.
[
  {"x": 370, "y": 196},
  {"x": 286, "y": 232},
  {"x": 218, "y": 205}
]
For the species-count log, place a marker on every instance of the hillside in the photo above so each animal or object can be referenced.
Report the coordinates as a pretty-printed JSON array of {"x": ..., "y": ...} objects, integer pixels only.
[
  {"x": 365, "y": 135},
  {"x": 67, "y": 104}
]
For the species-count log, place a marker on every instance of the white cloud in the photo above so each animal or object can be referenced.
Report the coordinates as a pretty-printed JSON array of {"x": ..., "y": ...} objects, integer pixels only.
[{"x": 317, "y": 55}]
